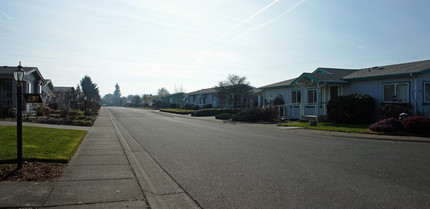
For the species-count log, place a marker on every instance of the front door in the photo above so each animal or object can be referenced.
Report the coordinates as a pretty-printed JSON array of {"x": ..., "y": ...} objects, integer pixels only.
[{"x": 334, "y": 91}]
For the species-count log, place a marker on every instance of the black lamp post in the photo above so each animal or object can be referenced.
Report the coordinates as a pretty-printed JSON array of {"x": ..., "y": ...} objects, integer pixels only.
[{"x": 19, "y": 77}]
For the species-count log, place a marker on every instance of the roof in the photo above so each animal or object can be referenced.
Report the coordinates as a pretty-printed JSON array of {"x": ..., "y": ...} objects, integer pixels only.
[
  {"x": 63, "y": 89},
  {"x": 281, "y": 84},
  {"x": 9, "y": 70},
  {"x": 403, "y": 69},
  {"x": 204, "y": 91},
  {"x": 326, "y": 75},
  {"x": 48, "y": 82},
  {"x": 335, "y": 72}
]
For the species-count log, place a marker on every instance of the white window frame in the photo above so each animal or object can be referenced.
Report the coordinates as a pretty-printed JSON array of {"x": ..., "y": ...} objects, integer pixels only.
[
  {"x": 314, "y": 97},
  {"x": 395, "y": 84},
  {"x": 297, "y": 98}
]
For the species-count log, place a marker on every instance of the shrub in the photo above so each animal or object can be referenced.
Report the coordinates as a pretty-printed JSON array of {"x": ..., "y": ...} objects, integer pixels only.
[
  {"x": 417, "y": 124},
  {"x": 42, "y": 111},
  {"x": 393, "y": 110},
  {"x": 387, "y": 125},
  {"x": 7, "y": 112},
  {"x": 224, "y": 116},
  {"x": 207, "y": 106},
  {"x": 174, "y": 105},
  {"x": 255, "y": 115},
  {"x": 212, "y": 112},
  {"x": 54, "y": 106},
  {"x": 353, "y": 108},
  {"x": 278, "y": 100}
]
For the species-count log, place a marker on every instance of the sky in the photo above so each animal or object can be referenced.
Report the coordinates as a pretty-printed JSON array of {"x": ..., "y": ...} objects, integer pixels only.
[{"x": 144, "y": 45}]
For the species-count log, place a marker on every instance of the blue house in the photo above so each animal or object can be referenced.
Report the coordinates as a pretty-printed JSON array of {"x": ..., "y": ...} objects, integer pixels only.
[
  {"x": 33, "y": 84},
  {"x": 203, "y": 97},
  {"x": 307, "y": 95}
]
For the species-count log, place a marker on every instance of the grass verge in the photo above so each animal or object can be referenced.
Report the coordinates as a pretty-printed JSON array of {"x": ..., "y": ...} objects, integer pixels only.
[
  {"x": 176, "y": 110},
  {"x": 352, "y": 128},
  {"x": 40, "y": 144}
]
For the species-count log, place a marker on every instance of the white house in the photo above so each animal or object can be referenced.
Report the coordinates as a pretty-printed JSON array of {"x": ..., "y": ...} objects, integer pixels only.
[{"x": 307, "y": 95}]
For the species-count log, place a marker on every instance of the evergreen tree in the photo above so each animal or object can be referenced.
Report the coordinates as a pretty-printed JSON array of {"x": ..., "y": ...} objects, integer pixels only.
[{"x": 90, "y": 89}]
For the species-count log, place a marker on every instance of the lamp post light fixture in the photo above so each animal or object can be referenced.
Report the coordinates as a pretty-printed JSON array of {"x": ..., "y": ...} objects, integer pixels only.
[
  {"x": 85, "y": 105},
  {"x": 19, "y": 77}
]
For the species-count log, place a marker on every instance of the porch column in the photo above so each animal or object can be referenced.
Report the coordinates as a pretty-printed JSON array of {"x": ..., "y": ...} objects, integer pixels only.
[
  {"x": 302, "y": 103},
  {"x": 317, "y": 105},
  {"x": 259, "y": 101}
]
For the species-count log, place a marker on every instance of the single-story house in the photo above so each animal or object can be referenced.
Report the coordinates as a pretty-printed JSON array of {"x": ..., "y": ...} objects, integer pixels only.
[
  {"x": 308, "y": 94},
  {"x": 63, "y": 95},
  {"x": 149, "y": 100},
  {"x": 177, "y": 99},
  {"x": 204, "y": 97},
  {"x": 33, "y": 84}
]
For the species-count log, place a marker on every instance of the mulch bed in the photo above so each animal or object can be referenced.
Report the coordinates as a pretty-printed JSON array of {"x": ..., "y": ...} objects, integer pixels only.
[{"x": 32, "y": 171}]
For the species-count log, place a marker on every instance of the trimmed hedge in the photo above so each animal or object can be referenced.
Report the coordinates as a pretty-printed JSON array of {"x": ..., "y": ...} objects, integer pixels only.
[
  {"x": 255, "y": 115},
  {"x": 353, "y": 108},
  {"x": 224, "y": 116},
  {"x": 417, "y": 124},
  {"x": 387, "y": 125},
  {"x": 212, "y": 112}
]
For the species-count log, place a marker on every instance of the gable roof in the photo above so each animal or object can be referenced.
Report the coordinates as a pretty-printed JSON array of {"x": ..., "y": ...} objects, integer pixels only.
[
  {"x": 398, "y": 70},
  {"x": 204, "y": 91},
  {"x": 326, "y": 75},
  {"x": 63, "y": 89},
  {"x": 281, "y": 84},
  {"x": 9, "y": 70}
]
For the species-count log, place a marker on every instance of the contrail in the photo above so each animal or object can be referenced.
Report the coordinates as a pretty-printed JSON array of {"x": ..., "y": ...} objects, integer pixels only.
[
  {"x": 267, "y": 23},
  {"x": 4, "y": 14},
  {"x": 246, "y": 20}
]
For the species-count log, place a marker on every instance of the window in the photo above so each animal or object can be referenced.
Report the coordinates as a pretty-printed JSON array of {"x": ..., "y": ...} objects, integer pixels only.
[
  {"x": 427, "y": 92},
  {"x": 194, "y": 98},
  {"x": 396, "y": 92},
  {"x": 312, "y": 96},
  {"x": 296, "y": 96}
]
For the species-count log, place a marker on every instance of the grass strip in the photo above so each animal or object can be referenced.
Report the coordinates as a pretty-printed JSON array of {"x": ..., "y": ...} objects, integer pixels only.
[
  {"x": 40, "y": 144},
  {"x": 176, "y": 110},
  {"x": 352, "y": 128}
]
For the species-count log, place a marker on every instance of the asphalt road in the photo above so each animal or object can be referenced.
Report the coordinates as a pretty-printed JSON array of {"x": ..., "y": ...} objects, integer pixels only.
[{"x": 235, "y": 165}]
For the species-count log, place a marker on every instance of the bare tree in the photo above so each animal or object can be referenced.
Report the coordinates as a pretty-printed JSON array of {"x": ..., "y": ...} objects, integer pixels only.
[
  {"x": 178, "y": 89},
  {"x": 233, "y": 91},
  {"x": 163, "y": 92}
]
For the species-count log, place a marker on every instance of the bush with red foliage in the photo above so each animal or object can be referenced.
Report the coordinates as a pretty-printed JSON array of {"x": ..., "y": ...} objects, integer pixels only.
[
  {"x": 417, "y": 124},
  {"x": 387, "y": 125}
]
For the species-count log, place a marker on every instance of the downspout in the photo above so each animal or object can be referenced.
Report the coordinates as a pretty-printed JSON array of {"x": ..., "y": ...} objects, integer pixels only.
[{"x": 415, "y": 93}]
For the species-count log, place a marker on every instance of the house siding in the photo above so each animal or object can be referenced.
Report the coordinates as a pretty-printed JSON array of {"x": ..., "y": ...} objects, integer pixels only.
[{"x": 375, "y": 89}]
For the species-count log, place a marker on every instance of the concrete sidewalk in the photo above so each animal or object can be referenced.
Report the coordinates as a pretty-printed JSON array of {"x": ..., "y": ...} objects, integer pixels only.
[{"x": 98, "y": 176}]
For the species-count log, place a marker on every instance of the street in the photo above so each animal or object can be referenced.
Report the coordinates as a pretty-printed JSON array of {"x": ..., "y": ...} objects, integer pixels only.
[{"x": 222, "y": 164}]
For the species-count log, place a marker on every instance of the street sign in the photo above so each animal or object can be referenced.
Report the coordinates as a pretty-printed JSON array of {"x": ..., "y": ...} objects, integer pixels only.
[{"x": 33, "y": 98}]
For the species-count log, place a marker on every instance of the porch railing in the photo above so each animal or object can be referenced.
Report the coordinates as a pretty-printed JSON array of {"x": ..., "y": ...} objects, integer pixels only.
[{"x": 295, "y": 111}]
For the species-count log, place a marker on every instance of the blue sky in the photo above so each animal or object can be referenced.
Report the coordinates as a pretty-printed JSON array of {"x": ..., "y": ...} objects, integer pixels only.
[{"x": 144, "y": 45}]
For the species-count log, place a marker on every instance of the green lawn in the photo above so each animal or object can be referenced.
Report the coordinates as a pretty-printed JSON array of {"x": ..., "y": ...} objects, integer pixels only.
[
  {"x": 177, "y": 110},
  {"x": 42, "y": 144},
  {"x": 353, "y": 128}
]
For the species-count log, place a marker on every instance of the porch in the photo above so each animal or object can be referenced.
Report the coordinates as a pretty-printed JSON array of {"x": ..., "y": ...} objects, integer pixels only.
[{"x": 300, "y": 111}]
